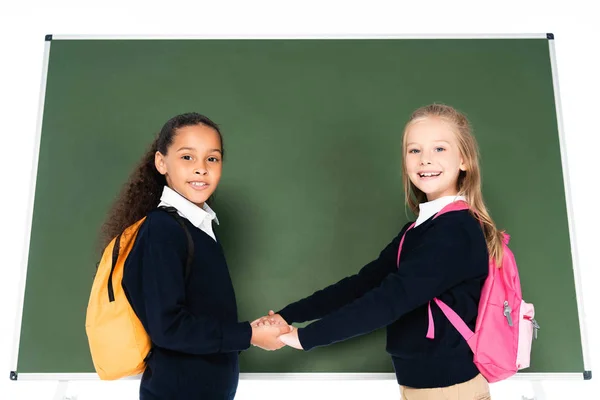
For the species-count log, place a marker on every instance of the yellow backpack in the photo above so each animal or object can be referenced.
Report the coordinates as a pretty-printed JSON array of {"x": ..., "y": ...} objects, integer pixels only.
[{"x": 119, "y": 344}]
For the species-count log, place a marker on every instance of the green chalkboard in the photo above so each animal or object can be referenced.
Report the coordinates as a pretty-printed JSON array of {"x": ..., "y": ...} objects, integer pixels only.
[{"x": 311, "y": 188}]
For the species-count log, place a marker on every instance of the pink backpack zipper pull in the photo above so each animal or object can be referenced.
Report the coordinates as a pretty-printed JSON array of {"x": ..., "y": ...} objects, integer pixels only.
[{"x": 507, "y": 311}]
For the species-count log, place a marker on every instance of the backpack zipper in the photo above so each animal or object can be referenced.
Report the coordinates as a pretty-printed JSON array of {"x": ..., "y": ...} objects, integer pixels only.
[
  {"x": 507, "y": 311},
  {"x": 535, "y": 328}
]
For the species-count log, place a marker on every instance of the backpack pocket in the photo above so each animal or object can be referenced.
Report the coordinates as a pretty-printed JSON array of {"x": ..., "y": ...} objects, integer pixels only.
[{"x": 527, "y": 332}]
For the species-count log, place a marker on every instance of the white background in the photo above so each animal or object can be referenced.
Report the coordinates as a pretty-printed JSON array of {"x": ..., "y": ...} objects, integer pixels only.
[{"x": 23, "y": 27}]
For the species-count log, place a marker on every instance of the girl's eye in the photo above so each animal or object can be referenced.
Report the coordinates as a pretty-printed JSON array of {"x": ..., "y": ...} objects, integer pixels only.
[
  {"x": 413, "y": 151},
  {"x": 188, "y": 158},
  {"x": 439, "y": 149},
  {"x": 213, "y": 159}
]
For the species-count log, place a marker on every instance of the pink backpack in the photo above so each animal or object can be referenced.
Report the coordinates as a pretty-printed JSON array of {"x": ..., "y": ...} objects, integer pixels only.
[{"x": 505, "y": 326}]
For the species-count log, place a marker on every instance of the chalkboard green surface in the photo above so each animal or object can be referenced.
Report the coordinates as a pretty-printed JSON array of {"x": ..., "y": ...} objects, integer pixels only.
[{"x": 311, "y": 187}]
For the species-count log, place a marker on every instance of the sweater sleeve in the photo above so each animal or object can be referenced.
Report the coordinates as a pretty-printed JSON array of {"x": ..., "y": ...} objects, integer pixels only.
[
  {"x": 346, "y": 290},
  {"x": 170, "y": 324},
  {"x": 441, "y": 262}
]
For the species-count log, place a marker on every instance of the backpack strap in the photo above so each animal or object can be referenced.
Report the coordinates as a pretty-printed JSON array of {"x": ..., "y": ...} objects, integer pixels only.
[
  {"x": 454, "y": 206},
  {"x": 115, "y": 257},
  {"x": 400, "y": 246},
  {"x": 455, "y": 320},
  {"x": 190, "y": 242}
]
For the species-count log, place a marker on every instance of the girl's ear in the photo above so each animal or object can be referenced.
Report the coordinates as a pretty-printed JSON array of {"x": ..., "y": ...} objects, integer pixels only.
[
  {"x": 462, "y": 166},
  {"x": 159, "y": 162}
]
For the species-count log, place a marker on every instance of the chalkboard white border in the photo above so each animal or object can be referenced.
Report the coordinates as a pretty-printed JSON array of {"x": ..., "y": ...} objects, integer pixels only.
[
  {"x": 315, "y": 37},
  {"x": 571, "y": 220},
  {"x": 523, "y": 376},
  {"x": 29, "y": 209}
]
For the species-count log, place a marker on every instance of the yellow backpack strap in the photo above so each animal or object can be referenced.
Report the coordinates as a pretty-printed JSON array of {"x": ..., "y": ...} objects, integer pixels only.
[{"x": 115, "y": 257}]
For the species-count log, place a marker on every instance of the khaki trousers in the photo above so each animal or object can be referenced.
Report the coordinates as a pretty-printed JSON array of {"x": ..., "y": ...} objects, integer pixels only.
[{"x": 475, "y": 389}]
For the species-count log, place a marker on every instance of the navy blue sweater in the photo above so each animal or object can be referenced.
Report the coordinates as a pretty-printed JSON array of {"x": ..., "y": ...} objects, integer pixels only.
[
  {"x": 445, "y": 257},
  {"x": 193, "y": 325}
]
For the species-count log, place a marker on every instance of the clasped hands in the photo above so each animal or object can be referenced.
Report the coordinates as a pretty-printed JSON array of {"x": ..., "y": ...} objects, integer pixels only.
[{"x": 272, "y": 332}]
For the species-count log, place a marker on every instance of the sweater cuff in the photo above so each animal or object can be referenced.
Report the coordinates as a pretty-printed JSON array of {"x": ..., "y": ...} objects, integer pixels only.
[
  {"x": 306, "y": 341},
  {"x": 236, "y": 337},
  {"x": 287, "y": 315}
]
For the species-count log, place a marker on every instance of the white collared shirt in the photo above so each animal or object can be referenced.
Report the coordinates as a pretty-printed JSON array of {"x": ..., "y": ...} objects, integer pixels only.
[
  {"x": 201, "y": 218},
  {"x": 430, "y": 208}
]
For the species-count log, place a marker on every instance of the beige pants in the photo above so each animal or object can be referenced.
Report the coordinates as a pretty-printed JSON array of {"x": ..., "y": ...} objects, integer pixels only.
[{"x": 475, "y": 389}]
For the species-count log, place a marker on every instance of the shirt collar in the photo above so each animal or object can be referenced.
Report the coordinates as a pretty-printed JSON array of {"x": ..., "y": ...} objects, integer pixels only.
[
  {"x": 430, "y": 208},
  {"x": 186, "y": 208}
]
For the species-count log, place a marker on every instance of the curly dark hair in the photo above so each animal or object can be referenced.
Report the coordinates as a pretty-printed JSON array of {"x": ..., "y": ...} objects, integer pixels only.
[{"x": 142, "y": 191}]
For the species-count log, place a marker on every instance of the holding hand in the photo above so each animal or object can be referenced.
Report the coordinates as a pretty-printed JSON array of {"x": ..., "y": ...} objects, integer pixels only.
[
  {"x": 270, "y": 319},
  {"x": 267, "y": 336},
  {"x": 291, "y": 339}
]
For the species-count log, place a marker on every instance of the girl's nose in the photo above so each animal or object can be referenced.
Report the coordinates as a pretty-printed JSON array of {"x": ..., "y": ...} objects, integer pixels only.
[{"x": 201, "y": 171}]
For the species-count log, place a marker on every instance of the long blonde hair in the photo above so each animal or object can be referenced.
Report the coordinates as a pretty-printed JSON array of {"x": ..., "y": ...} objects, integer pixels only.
[{"x": 469, "y": 181}]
